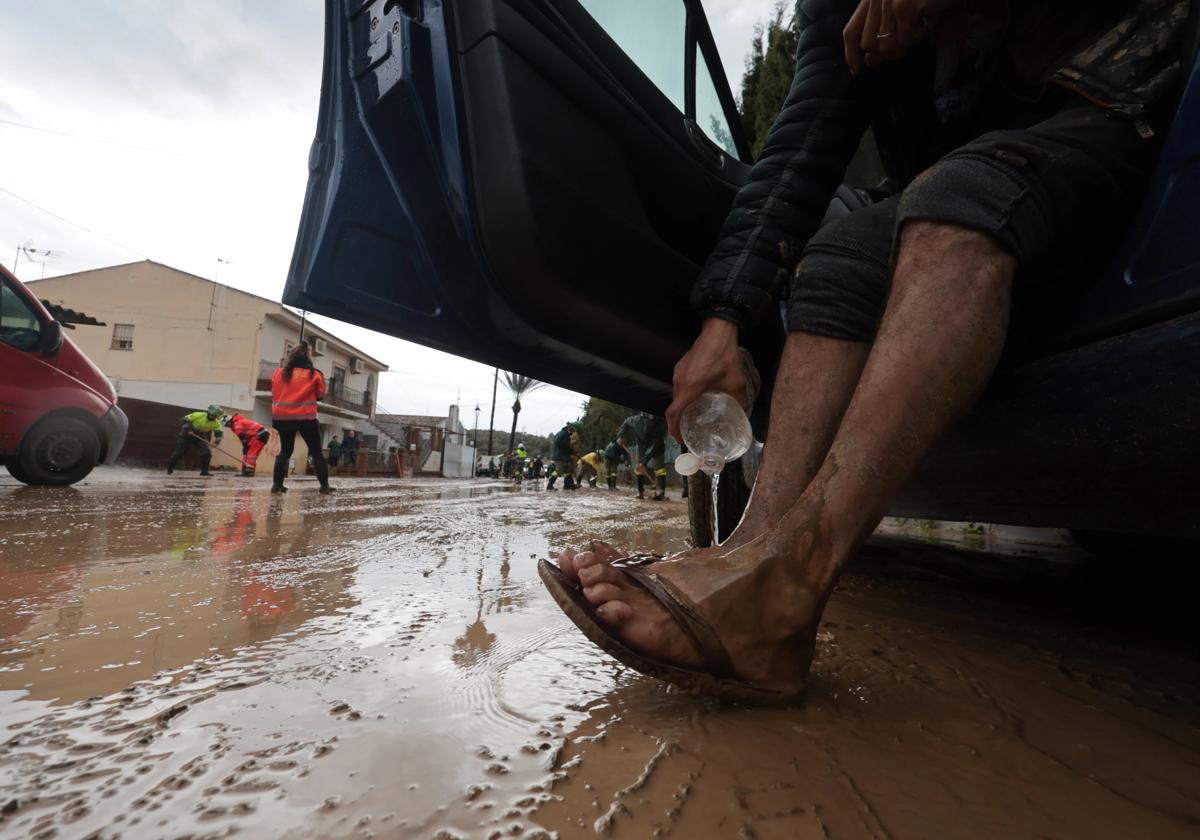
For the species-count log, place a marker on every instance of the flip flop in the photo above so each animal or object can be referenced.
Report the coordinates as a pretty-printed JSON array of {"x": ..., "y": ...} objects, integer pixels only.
[{"x": 717, "y": 679}]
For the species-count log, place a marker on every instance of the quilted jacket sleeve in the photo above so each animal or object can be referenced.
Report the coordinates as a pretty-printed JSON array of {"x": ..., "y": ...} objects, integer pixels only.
[{"x": 789, "y": 188}]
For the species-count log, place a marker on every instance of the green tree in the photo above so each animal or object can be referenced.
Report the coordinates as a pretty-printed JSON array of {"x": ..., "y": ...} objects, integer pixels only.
[
  {"x": 600, "y": 422},
  {"x": 519, "y": 385},
  {"x": 768, "y": 74}
]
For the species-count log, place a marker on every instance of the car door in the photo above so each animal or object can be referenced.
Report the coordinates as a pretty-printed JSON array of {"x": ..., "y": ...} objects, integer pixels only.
[{"x": 533, "y": 184}]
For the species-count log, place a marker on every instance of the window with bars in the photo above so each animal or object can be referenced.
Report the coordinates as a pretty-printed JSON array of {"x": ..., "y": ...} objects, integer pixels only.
[{"x": 122, "y": 337}]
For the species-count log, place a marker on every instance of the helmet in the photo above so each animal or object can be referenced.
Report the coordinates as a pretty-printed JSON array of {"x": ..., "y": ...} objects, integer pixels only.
[
  {"x": 227, "y": 420},
  {"x": 215, "y": 411},
  {"x": 520, "y": 446}
]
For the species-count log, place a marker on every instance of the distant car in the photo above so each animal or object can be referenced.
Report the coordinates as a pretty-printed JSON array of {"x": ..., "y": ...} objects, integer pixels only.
[
  {"x": 535, "y": 184},
  {"x": 58, "y": 412}
]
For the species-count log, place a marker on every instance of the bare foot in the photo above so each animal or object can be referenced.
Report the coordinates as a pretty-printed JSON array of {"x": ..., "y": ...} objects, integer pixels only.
[{"x": 763, "y": 597}]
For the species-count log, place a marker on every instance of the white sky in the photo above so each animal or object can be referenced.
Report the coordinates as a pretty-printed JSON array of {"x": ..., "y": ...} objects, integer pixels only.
[{"x": 180, "y": 132}]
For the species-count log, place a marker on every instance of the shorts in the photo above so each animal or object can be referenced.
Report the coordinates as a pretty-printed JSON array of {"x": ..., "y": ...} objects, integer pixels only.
[{"x": 1057, "y": 195}]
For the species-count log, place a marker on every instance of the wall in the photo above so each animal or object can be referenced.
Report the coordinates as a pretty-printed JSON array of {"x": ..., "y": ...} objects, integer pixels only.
[
  {"x": 186, "y": 329},
  {"x": 458, "y": 459}
]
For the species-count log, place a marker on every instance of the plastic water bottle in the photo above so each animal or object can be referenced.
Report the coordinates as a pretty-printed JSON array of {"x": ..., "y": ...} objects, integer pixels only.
[{"x": 716, "y": 431}]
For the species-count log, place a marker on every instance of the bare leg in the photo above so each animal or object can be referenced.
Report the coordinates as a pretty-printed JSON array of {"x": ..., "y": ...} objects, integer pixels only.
[
  {"x": 816, "y": 379},
  {"x": 939, "y": 342}
]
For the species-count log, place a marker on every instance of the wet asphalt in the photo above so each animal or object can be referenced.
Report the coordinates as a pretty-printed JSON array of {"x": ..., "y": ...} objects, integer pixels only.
[{"x": 191, "y": 658}]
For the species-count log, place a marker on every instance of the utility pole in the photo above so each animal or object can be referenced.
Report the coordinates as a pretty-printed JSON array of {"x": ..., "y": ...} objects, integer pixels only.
[{"x": 492, "y": 420}]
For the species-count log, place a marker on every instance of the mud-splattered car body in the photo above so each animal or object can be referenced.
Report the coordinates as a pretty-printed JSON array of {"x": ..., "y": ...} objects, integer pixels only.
[{"x": 499, "y": 179}]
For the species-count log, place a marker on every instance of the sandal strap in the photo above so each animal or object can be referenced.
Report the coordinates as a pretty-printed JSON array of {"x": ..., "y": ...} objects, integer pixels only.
[{"x": 683, "y": 611}]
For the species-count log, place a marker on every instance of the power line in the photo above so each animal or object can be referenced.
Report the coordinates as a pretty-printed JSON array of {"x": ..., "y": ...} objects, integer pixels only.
[
  {"x": 68, "y": 134},
  {"x": 73, "y": 224}
]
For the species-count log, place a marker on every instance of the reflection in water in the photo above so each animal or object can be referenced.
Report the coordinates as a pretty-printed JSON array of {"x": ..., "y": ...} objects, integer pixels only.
[{"x": 385, "y": 662}]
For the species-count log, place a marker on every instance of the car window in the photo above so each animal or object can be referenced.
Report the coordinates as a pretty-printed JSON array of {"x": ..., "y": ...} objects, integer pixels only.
[
  {"x": 710, "y": 116},
  {"x": 19, "y": 324},
  {"x": 653, "y": 34}
]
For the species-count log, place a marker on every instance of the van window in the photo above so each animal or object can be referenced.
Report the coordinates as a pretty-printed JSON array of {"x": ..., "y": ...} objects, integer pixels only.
[
  {"x": 19, "y": 324},
  {"x": 653, "y": 34}
]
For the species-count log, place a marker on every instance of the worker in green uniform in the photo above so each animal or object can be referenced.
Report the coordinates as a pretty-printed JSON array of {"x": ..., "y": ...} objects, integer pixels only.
[
  {"x": 194, "y": 431},
  {"x": 566, "y": 444},
  {"x": 614, "y": 456},
  {"x": 650, "y": 434}
]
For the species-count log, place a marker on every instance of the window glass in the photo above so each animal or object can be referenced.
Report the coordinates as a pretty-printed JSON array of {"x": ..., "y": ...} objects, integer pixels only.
[
  {"x": 710, "y": 116},
  {"x": 19, "y": 324},
  {"x": 652, "y": 33},
  {"x": 122, "y": 337}
]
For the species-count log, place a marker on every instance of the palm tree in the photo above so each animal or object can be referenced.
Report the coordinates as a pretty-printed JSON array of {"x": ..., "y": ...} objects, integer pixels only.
[{"x": 520, "y": 385}]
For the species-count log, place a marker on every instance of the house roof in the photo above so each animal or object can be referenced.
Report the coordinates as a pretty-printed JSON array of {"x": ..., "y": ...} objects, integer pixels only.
[
  {"x": 283, "y": 312},
  {"x": 67, "y": 317}
]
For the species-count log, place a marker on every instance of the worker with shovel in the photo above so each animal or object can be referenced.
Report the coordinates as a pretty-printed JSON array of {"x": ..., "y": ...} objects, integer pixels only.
[
  {"x": 254, "y": 436},
  {"x": 194, "y": 432}
]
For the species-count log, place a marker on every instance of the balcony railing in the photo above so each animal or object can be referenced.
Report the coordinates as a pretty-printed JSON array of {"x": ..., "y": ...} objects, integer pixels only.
[{"x": 336, "y": 392}]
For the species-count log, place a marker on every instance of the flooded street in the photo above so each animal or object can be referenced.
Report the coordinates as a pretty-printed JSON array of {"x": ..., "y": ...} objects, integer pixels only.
[{"x": 181, "y": 658}]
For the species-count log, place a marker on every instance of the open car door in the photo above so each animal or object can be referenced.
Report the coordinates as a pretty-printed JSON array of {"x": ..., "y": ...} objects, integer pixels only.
[{"x": 530, "y": 183}]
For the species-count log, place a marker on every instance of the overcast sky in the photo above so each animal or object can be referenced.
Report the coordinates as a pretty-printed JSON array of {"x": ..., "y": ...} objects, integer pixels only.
[{"x": 179, "y": 132}]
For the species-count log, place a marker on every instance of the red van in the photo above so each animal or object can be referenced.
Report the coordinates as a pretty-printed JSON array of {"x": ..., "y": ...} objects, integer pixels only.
[{"x": 58, "y": 412}]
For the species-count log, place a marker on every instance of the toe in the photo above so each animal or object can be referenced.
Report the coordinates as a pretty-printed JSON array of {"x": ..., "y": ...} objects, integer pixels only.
[
  {"x": 568, "y": 563},
  {"x": 614, "y": 612},
  {"x": 605, "y": 551},
  {"x": 600, "y": 572},
  {"x": 601, "y": 593}
]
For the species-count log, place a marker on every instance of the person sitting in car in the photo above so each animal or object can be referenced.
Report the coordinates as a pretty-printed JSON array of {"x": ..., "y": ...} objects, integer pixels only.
[{"x": 1018, "y": 137}]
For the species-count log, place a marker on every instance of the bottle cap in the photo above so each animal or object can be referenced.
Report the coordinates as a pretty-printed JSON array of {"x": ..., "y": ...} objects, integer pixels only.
[{"x": 686, "y": 463}]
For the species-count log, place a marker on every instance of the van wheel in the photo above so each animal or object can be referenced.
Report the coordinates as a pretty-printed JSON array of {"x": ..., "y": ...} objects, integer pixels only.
[
  {"x": 14, "y": 469},
  {"x": 58, "y": 451}
]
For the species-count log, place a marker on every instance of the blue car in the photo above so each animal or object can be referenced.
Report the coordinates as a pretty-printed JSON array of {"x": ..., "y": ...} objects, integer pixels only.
[{"x": 534, "y": 184}]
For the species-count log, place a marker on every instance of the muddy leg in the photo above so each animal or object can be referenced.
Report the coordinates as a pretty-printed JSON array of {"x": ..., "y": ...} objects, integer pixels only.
[
  {"x": 816, "y": 379},
  {"x": 941, "y": 336}
]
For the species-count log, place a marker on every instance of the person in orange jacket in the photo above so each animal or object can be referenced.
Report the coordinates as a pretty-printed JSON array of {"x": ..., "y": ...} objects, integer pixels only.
[
  {"x": 254, "y": 437},
  {"x": 295, "y": 389}
]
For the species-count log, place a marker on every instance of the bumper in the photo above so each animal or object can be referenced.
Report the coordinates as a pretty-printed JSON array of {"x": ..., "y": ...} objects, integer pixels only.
[{"x": 116, "y": 427}]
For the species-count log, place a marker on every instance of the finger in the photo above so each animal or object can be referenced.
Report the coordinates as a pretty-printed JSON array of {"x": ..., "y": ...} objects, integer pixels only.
[
  {"x": 885, "y": 38},
  {"x": 674, "y": 410},
  {"x": 852, "y": 36},
  {"x": 868, "y": 41}
]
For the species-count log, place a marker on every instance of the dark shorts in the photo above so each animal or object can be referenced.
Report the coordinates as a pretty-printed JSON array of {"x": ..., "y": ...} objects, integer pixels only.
[{"x": 1056, "y": 194}]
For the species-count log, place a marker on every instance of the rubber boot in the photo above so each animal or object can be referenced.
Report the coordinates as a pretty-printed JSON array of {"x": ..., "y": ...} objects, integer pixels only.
[
  {"x": 612, "y": 482},
  {"x": 661, "y": 481},
  {"x": 592, "y": 481},
  {"x": 278, "y": 488},
  {"x": 550, "y": 482},
  {"x": 170, "y": 467},
  {"x": 641, "y": 485},
  {"x": 321, "y": 467},
  {"x": 247, "y": 472},
  {"x": 569, "y": 483},
  {"x": 205, "y": 460}
]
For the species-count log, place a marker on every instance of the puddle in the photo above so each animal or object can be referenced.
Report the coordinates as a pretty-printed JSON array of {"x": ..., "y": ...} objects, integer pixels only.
[{"x": 202, "y": 658}]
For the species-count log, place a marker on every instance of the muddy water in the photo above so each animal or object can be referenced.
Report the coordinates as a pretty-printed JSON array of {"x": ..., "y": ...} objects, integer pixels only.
[{"x": 202, "y": 659}]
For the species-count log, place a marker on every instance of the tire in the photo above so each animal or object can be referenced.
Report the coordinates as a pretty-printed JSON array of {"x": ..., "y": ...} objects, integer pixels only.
[
  {"x": 58, "y": 451},
  {"x": 732, "y": 495},
  {"x": 14, "y": 469}
]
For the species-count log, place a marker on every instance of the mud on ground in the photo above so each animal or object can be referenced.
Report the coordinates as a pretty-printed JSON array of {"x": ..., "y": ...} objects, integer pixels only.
[{"x": 182, "y": 658}]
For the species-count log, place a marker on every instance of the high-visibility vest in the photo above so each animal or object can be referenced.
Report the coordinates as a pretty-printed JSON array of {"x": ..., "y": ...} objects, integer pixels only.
[
  {"x": 296, "y": 399},
  {"x": 244, "y": 426}
]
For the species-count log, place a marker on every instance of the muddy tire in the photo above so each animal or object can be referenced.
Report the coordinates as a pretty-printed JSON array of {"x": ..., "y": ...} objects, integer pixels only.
[
  {"x": 732, "y": 496},
  {"x": 58, "y": 451}
]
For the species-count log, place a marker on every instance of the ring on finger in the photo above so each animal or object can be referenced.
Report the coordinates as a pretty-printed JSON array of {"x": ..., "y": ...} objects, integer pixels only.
[{"x": 882, "y": 35}]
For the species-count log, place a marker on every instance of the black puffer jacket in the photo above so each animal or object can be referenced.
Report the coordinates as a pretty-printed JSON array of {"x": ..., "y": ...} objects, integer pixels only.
[
  {"x": 805, "y": 156},
  {"x": 1122, "y": 55}
]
